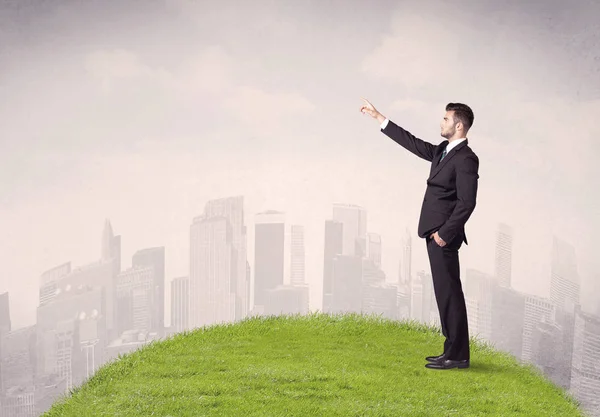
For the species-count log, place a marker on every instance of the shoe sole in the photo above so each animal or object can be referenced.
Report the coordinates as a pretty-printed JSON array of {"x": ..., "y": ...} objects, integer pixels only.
[{"x": 461, "y": 366}]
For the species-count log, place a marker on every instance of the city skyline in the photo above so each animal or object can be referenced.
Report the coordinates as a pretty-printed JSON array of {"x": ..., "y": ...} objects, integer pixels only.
[
  {"x": 502, "y": 252},
  {"x": 109, "y": 309}
]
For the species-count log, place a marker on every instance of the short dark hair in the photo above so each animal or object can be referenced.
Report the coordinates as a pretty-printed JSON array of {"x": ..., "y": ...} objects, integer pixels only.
[{"x": 462, "y": 113}]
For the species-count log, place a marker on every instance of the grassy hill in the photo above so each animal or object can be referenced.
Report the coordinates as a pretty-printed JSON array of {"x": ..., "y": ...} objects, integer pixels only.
[{"x": 315, "y": 365}]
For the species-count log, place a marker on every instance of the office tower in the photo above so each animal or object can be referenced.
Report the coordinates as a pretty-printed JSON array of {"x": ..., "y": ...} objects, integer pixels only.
[
  {"x": 49, "y": 282},
  {"x": 180, "y": 304},
  {"x": 354, "y": 219},
  {"x": 504, "y": 247},
  {"x": 478, "y": 289},
  {"x": 332, "y": 248},
  {"x": 232, "y": 208},
  {"x": 154, "y": 258},
  {"x": 374, "y": 248},
  {"x": 585, "y": 380},
  {"x": 404, "y": 277},
  {"x": 537, "y": 309},
  {"x": 346, "y": 295},
  {"x": 136, "y": 304},
  {"x": 111, "y": 246},
  {"x": 420, "y": 297},
  {"x": 269, "y": 243},
  {"x": 508, "y": 313},
  {"x": 298, "y": 257},
  {"x": 212, "y": 270},
  {"x": 564, "y": 283},
  {"x": 219, "y": 286}
]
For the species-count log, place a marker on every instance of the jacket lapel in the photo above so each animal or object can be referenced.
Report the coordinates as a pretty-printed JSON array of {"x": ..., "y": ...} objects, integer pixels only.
[{"x": 437, "y": 168}]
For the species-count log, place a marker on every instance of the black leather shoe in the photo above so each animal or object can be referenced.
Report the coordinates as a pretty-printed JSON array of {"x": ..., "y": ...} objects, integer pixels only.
[
  {"x": 448, "y": 364},
  {"x": 435, "y": 358}
]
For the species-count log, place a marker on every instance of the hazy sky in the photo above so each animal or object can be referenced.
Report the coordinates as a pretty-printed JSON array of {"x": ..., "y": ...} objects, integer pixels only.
[{"x": 141, "y": 111}]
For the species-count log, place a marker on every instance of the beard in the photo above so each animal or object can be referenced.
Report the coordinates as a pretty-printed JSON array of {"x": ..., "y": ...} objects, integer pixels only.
[{"x": 449, "y": 133}]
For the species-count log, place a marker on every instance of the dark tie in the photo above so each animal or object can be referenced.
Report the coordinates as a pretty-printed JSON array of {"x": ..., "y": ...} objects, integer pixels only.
[{"x": 443, "y": 154}]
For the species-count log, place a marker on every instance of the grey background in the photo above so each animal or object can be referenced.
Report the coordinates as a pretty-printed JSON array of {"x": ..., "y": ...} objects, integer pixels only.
[{"x": 141, "y": 112}]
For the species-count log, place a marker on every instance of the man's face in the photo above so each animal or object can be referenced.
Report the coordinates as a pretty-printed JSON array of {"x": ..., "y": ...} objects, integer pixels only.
[{"x": 448, "y": 126}]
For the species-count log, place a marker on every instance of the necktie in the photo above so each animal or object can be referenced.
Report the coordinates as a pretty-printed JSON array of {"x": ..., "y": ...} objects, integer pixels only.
[{"x": 443, "y": 154}]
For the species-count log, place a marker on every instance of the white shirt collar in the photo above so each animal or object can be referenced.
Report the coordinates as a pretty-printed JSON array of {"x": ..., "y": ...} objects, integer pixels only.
[{"x": 452, "y": 144}]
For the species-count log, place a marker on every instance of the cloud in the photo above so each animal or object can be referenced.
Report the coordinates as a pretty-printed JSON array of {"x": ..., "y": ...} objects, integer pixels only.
[
  {"x": 267, "y": 112},
  {"x": 408, "y": 105},
  {"x": 119, "y": 65},
  {"x": 416, "y": 53},
  {"x": 206, "y": 82}
]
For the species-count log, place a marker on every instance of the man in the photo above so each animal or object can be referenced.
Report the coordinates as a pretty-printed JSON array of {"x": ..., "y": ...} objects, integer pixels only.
[{"x": 448, "y": 203}]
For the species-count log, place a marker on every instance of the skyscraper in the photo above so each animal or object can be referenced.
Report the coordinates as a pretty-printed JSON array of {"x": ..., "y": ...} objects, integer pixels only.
[
  {"x": 212, "y": 272},
  {"x": 405, "y": 277},
  {"x": 503, "y": 264},
  {"x": 585, "y": 380},
  {"x": 155, "y": 259},
  {"x": 374, "y": 248},
  {"x": 564, "y": 283},
  {"x": 269, "y": 243},
  {"x": 232, "y": 208},
  {"x": 354, "y": 219},
  {"x": 219, "y": 285},
  {"x": 180, "y": 304},
  {"x": 297, "y": 267},
  {"x": 333, "y": 247},
  {"x": 537, "y": 309}
]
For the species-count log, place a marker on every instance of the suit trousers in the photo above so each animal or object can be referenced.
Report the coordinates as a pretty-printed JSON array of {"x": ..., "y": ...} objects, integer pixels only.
[{"x": 445, "y": 271}]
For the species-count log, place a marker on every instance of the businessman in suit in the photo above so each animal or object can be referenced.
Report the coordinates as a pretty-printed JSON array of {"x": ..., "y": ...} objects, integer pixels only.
[{"x": 449, "y": 201}]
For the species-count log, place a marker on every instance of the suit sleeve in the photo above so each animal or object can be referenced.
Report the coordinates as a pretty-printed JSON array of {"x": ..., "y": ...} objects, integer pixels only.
[
  {"x": 404, "y": 138},
  {"x": 466, "y": 189}
]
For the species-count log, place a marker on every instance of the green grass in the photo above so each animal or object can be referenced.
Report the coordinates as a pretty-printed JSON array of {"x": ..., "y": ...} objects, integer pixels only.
[{"x": 315, "y": 365}]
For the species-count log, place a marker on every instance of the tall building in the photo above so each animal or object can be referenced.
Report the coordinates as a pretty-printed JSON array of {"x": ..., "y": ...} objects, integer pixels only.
[
  {"x": 136, "y": 301},
  {"x": 378, "y": 297},
  {"x": 421, "y": 297},
  {"x": 219, "y": 285},
  {"x": 478, "y": 290},
  {"x": 65, "y": 328},
  {"x": 585, "y": 379},
  {"x": 5, "y": 325},
  {"x": 503, "y": 264},
  {"x": 537, "y": 309},
  {"x": 374, "y": 248},
  {"x": 508, "y": 313},
  {"x": 564, "y": 283},
  {"x": 111, "y": 246},
  {"x": 405, "y": 277},
  {"x": 354, "y": 219},
  {"x": 269, "y": 243},
  {"x": 298, "y": 256},
  {"x": 154, "y": 258},
  {"x": 232, "y": 208},
  {"x": 333, "y": 248},
  {"x": 347, "y": 288},
  {"x": 180, "y": 304},
  {"x": 212, "y": 272},
  {"x": 111, "y": 256},
  {"x": 49, "y": 281}
]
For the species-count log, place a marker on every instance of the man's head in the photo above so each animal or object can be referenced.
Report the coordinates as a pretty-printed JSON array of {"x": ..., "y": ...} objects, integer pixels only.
[{"x": 457, "y": 121}]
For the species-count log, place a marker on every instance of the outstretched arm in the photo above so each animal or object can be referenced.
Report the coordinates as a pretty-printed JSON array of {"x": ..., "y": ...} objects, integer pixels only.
[
  {"x": 405, "y": 139},
  {"x": 399, "y": 135},
  {"x": 466, "y": 190}
]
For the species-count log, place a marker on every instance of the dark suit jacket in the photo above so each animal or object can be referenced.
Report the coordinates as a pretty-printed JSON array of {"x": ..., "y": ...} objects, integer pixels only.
[{"x": 451, "y": 192}]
